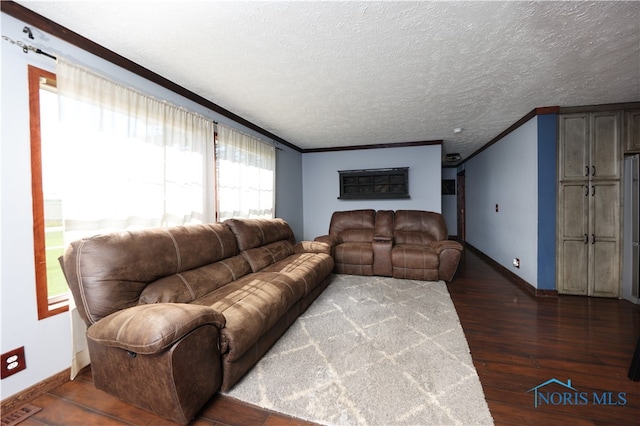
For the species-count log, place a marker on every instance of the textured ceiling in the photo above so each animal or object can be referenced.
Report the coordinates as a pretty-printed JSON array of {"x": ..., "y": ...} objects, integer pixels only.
[{"x": 329, "y": 74}]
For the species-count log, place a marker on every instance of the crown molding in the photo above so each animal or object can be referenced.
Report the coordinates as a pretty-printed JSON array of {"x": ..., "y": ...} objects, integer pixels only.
[{"x": 29, "y": 17}]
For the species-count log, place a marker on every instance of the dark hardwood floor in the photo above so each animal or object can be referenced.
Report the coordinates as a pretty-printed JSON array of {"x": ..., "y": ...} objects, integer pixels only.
[{"x": 517, "y": 342}]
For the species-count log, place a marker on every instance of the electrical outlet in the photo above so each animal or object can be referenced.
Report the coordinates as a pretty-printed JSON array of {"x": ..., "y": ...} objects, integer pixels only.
[
  {"x": 516, "y": 262},
  {"x": 12, "y": 362}
]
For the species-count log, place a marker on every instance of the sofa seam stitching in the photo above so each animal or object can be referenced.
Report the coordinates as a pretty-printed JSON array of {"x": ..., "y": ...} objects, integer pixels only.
[
  {"x": 81, "y": 284},
  {"x": 178, "y": 255},
  {"x": 186, "y": 283}
]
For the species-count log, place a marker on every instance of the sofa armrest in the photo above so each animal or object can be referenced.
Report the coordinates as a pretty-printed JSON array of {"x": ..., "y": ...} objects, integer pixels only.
[
  {"x": 382, "y": 246},
  {"x": 449, "y": 253},
  {"x": 148, "y": 329},
  {"x": 312, "y": 247},
  {"x": 440, "y": 246},
  {"x": 331, "y": 239}
]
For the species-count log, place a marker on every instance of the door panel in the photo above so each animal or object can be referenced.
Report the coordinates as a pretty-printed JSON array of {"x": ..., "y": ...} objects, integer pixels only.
[
  {"x": 574, "y": 272},
  {"x": 605, "y": 152},
  {"x": 605, "y": 239},
  {"x": 574, "y": 150},
  {"x": 605, "y": 211},
  {"x": 632, "y": 133},
  {"x": 574, "y": 200},
  {"x": 573, "y": 233},
  {"x": 605, "y": 269}
]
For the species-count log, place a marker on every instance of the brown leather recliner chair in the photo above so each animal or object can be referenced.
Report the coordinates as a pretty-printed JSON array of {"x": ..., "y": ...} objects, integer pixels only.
[
  {"x": 421, "y": 250},
  {"x": 172, "y": 373},
  {"x": 162, "y": 357},
  {"x": 409, "y": 244},
  {"x": 351, "y": 237}
]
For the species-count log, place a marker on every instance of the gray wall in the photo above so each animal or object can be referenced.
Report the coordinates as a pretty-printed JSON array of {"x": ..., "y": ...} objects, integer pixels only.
[
  {"x": 321, "y": 182},
  {"x": 289, "y": 189},
  {"x": 47, "y": 343},
  {"x": 506, "y": 174}
]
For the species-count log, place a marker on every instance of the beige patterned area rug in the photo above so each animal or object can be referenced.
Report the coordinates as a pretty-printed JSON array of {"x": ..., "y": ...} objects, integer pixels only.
[{"x": 372, "y": 351}]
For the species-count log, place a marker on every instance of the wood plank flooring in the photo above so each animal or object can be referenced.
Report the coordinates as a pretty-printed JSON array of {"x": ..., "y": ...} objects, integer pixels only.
[{"x": 517, "y": 342}]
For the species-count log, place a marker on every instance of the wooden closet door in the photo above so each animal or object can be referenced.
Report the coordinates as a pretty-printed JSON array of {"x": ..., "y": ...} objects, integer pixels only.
[
  {"x": 604, "y": 215},
  {"x": 573, "y": 239},
  {"x": 589, "y": 198}
]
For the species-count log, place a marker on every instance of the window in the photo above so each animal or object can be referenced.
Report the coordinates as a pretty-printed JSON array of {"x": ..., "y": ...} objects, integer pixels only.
[
  {"x": 245, "y": 176},
  {"x": 106, "y": 158},
  {"x": 133, "y": 161},
  {"x": 51, "y": 287}
]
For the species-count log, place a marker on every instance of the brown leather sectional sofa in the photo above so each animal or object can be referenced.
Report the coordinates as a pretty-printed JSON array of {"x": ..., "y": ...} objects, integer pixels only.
[
  {"x": 174, "y": 314},
  {"x": 408, "y": 244}
]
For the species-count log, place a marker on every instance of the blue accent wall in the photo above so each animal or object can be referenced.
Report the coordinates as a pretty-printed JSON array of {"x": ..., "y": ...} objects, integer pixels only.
[{"x": 547, "y": 188}]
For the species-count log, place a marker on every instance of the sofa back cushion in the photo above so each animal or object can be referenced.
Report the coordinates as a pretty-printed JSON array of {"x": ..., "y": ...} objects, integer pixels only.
[
  {"x": 353, "y": 226},
  {"x": 107, "y": 273},
  {"x": 251, "y": 233},
  {"x": 263, "y": 256},
  {"x": 418, "y": 227},
  {"x": 187, "y": 286}
]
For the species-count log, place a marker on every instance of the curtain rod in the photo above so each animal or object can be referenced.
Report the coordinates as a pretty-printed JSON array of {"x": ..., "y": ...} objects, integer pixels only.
[{"x": 25, "y": 47}]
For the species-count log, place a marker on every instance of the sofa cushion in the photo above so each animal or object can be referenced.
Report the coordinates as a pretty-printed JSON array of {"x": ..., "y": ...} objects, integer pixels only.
[
  {"x": 354, "y": 226},
  {"x": 260, "y": 257},
  {"x": 415, "y": 262},
  {"x": 187, "y": 286},
  {"x": 305, "y": 269},
  {"x": 252, "y": 233},
  {"x": 414, "y": 256},
  {"x": 199, "y": 245},
  {"x": 354, "y": 253},
  {"x": 419, "y": 227},
  {"x": 251, "y": 305},
  {"x": 356, "y": 236},
  {"x": 107, "y": 273},
  {"x": 352, "y": 219}
]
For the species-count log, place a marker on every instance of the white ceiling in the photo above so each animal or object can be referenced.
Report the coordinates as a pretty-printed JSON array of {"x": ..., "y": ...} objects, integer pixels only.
[{"x": 335, "y": 73}]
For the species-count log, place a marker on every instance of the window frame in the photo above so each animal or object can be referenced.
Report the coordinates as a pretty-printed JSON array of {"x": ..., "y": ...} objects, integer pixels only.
[{"x": 47, "y": 306}]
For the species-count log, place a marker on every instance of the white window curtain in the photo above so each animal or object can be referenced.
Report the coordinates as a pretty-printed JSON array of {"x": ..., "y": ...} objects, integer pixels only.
[
  {"x": 245, "y": 169},
  {"x": 123, "y": 160},
  {"x": 130, "y": 161}
]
